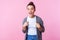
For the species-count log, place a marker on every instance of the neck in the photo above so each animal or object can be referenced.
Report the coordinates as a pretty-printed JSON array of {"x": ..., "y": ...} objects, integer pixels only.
[{"x": 32, "y": 16}]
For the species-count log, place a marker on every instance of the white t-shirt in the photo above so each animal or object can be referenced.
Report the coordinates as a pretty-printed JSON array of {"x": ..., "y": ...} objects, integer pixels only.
[{"x": 32, "y": 26}]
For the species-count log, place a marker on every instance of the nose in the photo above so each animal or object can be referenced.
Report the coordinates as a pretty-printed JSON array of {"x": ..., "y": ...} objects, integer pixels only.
[{"x": 30, "y": 11}]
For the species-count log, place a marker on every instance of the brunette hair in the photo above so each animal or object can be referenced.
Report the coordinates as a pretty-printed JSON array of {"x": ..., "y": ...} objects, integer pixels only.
[{"x": 31, "y": 3}]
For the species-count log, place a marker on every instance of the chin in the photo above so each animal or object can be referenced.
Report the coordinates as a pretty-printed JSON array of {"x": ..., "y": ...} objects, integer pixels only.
[{"x": 30, "y": 15}]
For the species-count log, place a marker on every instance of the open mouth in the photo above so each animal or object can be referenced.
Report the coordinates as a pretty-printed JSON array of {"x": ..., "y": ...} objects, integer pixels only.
[{"x": 30, "y": 13}]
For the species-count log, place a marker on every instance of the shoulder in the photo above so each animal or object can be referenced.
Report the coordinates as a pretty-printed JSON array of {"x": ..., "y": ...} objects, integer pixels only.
[
  {"x": 24, "y": 20},
  {"x": 39, "y": 18}
]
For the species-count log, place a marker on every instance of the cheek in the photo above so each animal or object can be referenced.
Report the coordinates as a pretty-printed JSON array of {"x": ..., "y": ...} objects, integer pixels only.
[
  {"x": 28, "y": 10},
  {"x": 33, "y": 11}
]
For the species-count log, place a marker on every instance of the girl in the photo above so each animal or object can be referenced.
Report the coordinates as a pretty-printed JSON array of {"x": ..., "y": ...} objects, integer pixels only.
[{"x": 32, "y": 24}]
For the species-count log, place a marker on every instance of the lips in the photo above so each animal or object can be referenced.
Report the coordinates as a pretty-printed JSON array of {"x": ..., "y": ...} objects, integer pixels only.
[{"x": 30, "y": 13}]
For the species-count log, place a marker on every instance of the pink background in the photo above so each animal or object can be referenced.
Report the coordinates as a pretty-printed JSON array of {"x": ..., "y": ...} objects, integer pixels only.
[{"x": 12, "y": 13}]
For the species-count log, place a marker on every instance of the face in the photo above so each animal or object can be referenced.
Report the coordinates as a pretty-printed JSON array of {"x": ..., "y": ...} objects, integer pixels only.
[{"x": 30, "y": 10}]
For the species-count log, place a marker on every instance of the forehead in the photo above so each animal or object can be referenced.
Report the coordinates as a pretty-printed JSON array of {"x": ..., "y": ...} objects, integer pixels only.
[{"x": 30, "y": 6}]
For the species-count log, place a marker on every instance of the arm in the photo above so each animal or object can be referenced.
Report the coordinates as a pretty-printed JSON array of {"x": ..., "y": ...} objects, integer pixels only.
[
  {"x": 24, "y": 25},
  {"x": 40, "y": 28},
  {"x": 24, "y": 28},
  {"x": 40, "y": 24}
]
